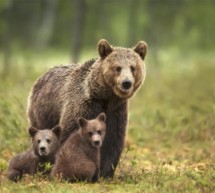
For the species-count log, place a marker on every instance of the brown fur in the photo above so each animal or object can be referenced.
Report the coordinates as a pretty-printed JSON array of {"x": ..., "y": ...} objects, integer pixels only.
[
  {"x": 31, "y": 161},
  {"x": 65, "y": 93},
  {"x": 79, "y": 157}
]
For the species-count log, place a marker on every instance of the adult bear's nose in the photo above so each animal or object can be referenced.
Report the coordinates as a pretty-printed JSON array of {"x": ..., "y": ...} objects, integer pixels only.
[{"x": 126, "y": 84}]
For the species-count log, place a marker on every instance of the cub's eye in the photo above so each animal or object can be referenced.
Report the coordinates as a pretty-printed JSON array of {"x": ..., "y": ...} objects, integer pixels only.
[
  {"x": 118, "y": 69},
  {"x": 90, "y": 134},
  {"x": 99, "y": 132},
  {"x": 132, "y": 68},
  {"x": 38, "y": 141},
  {"x": 48, "y": 140}
]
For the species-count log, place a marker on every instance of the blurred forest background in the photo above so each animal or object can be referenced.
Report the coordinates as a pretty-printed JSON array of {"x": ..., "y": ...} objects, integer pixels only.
[
  {"x": 171, "y": 132},
  {"x": 75, "y": 26}
]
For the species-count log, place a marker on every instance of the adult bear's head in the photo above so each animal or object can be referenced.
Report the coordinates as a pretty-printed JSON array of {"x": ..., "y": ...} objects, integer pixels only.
[{"x": 123, "y": 69}]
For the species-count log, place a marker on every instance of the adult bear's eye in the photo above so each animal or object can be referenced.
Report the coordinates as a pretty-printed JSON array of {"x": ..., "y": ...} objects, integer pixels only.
[
  {"x": 132, "y": 68},
  {"x": 118, "y": 69},
  {"x": 48, "y": 140},
  {"x": 38, "y": 141},
  {"x": 99, "y": 132}
]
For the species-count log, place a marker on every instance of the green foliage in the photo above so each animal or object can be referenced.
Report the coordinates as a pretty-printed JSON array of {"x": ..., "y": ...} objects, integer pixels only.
[
  {"x": 12, "y": 117},
  {"x": 187, "y": 24}
]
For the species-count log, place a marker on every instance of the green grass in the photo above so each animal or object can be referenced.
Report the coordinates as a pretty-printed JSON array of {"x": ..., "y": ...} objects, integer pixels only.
[{"x": 170, "y": 145}]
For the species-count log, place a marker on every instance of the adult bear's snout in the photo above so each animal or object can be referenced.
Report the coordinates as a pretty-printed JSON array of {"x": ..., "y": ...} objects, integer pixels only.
[{"x": 126, "y": 84}]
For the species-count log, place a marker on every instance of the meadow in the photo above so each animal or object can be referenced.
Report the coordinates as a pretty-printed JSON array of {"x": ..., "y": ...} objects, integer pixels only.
[{"x": 170, "y": 144}]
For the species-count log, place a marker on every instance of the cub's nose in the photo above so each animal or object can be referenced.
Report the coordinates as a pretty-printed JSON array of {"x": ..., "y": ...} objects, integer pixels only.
[
  {"x": 126, "y": 84},
  {"x": 42, "y": 149},
  {"x": 96, "y": 143}
]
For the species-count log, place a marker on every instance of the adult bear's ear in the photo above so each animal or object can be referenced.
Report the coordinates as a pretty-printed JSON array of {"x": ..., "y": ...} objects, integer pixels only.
[
  {"x": 82, "y": 122},
  {"x": 56, "y": 130},
  {"x": 32, "y": 131},
  {"x": 101, "y": 117},
  {"x": 104, "y": 48},
  {"x": 141, "y": 49}
]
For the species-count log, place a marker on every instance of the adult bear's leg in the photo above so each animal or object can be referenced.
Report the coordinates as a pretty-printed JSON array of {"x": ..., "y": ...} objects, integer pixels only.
[{"x": 114, "y": 140}]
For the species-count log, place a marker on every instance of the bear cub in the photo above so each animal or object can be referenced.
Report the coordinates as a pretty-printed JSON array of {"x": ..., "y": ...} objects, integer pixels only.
[
  {"x": 79, "y": 157},
  {"x": 45, "y": 144}
]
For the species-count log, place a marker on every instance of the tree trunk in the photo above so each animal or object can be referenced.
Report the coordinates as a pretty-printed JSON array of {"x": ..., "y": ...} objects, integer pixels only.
[
  {"x": 105, "y": 16},
  {"x": 6, "y": 42},
  {"x": 46, "y": 28},
  {"x": 78, "y": 26},
  {"x": 153, "y": 33},
  {"x": 133, "y": 22}
]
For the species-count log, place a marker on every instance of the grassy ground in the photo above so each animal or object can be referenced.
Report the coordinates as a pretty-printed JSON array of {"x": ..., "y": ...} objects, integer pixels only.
[{"x": 170, "y": 146}]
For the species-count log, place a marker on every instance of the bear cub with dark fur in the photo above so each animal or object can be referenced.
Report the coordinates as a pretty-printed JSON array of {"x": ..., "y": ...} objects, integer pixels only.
[
  {"x": 45, "y": 144},
  {"x": 79, "y": 157}
]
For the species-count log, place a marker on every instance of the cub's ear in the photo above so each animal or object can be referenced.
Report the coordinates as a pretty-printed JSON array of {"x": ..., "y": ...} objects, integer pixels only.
[
  {"x": 82, "y": 122},
  {"x": 141, "y": 49},
  {"x": 104, "y": 48},
  {"x": 57, "y": 130},
  {"x": 101, "y": 117},
  {"x": 32, "y": 131}
]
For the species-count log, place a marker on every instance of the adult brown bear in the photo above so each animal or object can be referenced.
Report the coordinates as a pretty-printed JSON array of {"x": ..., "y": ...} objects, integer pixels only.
[{"x": 65, "y": 93}]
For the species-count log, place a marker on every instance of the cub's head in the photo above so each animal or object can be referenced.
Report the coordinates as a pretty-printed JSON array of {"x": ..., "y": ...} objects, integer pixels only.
[
  {"x": 93, "y": 131},
  {"x": 123, "y": 69},
  {"x": 45, "y": 142}
]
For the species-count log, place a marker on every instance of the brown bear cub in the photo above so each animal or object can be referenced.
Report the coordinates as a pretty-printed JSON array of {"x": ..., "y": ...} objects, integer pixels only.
[
  {"x": 65, "y": 93},
  {"x": 45, "y": 144},
  {"x": 79, "y": 157}
]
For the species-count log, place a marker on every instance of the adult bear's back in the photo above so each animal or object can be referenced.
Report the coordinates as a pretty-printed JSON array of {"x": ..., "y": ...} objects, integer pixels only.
[{"x": 49, "y": 92}]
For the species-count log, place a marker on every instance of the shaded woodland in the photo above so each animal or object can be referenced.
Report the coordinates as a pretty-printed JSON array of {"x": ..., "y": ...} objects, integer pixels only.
[{"x": 77, "y": 25}]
